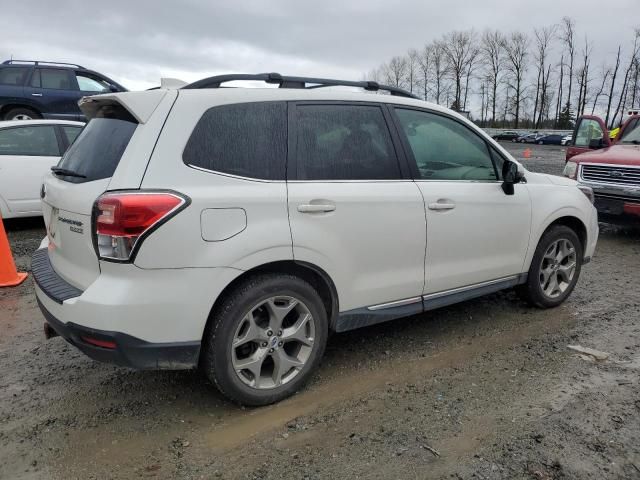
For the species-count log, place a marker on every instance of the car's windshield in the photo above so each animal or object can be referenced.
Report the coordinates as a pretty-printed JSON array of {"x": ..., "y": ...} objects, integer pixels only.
[{"x": 632, "y": 136}]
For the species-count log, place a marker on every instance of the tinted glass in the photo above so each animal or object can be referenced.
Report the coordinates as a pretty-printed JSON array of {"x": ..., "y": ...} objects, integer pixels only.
[
  {"x": 13, "y": 75},
  {"x": 87, "y": 84},
  {"x": 54, "y": 78},
  {"x": 71, "y": 133},
  {"x": 344, "y": 142},
  {"x": 444, "y": 149},
  {"x": 588, "y": 131},
  {"x": 245, "y": 139},
  {"x": 99, "y": 147},
  {"x": 34, "y": 141}
]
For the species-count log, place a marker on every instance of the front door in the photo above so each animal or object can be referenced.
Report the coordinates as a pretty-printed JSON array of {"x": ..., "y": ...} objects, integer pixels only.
[
  {"x": 590, "y": 134},
  {"x": 475, "y": 232},
  {"x": 353, "y": 210}
]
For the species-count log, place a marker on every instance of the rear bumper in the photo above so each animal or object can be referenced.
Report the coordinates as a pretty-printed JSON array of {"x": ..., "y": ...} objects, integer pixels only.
[
  {"x": 152, "y": 319},
  {"x": 127, "y": 351}
]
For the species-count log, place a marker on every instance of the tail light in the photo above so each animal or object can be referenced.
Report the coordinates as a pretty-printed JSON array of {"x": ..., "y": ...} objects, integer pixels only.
[{"x": 123, "y": 219}]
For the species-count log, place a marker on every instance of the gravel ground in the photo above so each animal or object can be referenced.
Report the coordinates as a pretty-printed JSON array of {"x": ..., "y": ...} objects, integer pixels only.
[{"x": 486, "y": 389}]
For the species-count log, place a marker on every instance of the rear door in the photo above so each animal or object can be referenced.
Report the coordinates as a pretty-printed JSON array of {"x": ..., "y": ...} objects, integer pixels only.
[
  {"x": 56, "y": 91},
  {"x": 590, "y": 133},
  {"x": 353, "y": 210},
  {"x": 26, "y": 156}
]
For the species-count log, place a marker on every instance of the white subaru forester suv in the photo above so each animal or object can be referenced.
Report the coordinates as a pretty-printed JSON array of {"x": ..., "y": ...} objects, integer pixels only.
[{"x": 233, "y": 229}]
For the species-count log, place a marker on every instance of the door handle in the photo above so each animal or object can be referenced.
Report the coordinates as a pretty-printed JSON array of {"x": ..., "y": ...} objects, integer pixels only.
[
  {"x": 36, "y": 94},
  {"x": 442, "y": 206},
  {"x": 316, "y": 208}
]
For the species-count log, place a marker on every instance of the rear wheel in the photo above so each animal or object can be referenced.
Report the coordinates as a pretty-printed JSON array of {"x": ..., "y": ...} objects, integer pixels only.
[
  {"x": 266, "y": 339},
  {"x": 555, "y": 268},
  {"x": 22, "y": 113}
]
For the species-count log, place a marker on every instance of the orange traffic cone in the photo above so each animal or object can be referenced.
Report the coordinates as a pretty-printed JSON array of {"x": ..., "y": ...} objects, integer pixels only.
[
  {"x": 527, "y": 153},
  {"x": 9, "y": 276}
]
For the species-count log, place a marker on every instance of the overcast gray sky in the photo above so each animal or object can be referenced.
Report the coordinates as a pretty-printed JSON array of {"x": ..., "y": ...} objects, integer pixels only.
[{"x": 137, "y": 42}]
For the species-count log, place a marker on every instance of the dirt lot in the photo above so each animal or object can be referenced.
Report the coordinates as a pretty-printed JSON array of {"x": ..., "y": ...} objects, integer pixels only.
[{"x": 483, "y": 390}]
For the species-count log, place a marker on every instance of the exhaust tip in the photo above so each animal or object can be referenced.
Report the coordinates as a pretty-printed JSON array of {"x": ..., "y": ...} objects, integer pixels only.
[{"x": 49, "y": 332}]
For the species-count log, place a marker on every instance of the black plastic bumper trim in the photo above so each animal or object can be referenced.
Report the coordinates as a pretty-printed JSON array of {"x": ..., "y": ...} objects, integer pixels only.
[
  {"x": 53, "y": 286},
  {"x": 130, "y": 351}
]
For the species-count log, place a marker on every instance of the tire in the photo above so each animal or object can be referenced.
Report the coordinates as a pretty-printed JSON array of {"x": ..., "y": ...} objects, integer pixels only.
[
  {"x": 22, "y": 113},
  {"x": 540, "y": 143},
  {"x": 539, "y": 289},
  {"x": 230, "y": 322},
  {"x": 522, "y": 141}
]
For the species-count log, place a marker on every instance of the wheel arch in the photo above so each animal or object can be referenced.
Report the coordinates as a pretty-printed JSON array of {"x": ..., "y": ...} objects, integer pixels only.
[
  {"x": 311, "y": 273},
  {"x": 9, "y": 106}
]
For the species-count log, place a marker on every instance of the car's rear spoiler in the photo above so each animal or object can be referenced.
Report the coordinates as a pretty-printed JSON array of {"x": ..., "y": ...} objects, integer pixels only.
[{"x": 139, "y": 104}]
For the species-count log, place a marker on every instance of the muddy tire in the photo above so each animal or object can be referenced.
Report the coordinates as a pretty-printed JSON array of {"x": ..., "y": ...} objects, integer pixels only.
[
  {"x": 22, "y": 113},
  {"x": 555, "y": 268},
  {"x": 265, "y": 339}
]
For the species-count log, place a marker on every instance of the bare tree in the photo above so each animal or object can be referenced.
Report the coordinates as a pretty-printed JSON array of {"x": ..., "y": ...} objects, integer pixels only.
[
  {"x": 605, "y": 75},
  {"x": 459, "y": 50},
  {"x": 583, "y": 78},
  {"x": 613, "y": 85},
  {"x": 492, "y": 51},
  {"x": 625, "y": 86},
  {"x": 543, "y": 38},
  {"x": 440, "y": 69},
  {"x": 424, "y": 66},
  {"x": 568, "y": 25},
  {"x": 412, "y": 68},
  {"x": 395, "y": 72},
  {"x": 516, "y": 51}
]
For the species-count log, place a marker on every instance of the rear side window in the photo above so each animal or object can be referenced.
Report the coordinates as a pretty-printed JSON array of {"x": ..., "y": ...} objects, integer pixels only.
[
  {"x": 246, "y": 139},
  {"x": 29, "y": 141},
  {"x": 71, "y": 133},
  {"x": 99, "y": 147},
  {"x": 13, "y": 75},
  {"x": 344, "y": 142},
  {"x": 53, "y": 78}
]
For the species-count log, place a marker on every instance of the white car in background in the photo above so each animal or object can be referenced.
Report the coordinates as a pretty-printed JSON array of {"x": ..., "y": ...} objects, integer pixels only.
[
  {"x": 566, "y": 140},
  {"x": 28, "y": 150}
]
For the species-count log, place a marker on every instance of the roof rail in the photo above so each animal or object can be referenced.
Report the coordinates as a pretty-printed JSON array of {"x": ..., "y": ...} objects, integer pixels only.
[
  {"x": 40, "y": 62},
  {"x": 284, "y": 81}
]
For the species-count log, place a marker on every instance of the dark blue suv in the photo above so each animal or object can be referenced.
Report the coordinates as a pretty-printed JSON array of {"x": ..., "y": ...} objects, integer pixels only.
[{"x": 36, "y": 89}]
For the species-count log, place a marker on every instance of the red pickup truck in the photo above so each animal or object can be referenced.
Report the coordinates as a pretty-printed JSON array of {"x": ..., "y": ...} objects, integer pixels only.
[{"x": 610, "y": 167}]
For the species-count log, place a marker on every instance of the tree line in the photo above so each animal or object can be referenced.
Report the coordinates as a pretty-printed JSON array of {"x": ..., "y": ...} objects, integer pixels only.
[{"x": 542, "y": 79}]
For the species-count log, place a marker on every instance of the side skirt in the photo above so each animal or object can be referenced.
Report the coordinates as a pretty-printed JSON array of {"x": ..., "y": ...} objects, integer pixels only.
[{"x": 366, "y": 316}]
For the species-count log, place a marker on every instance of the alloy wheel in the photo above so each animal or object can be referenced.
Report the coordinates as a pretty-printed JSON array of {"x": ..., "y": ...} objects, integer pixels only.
[
  {"x": 273, "y": 342},
  {"x": 557, "y": 268},
  {"x": 22, "y": 116}
]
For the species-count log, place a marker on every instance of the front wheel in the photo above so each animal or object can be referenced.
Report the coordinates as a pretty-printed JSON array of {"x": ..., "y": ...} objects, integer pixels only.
[
  {"x": 266, "y": 339},
  {"x": 555, "y": 268}
]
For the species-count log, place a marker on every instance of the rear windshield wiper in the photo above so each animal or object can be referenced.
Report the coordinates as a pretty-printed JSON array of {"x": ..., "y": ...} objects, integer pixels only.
[{"x": 66, "y": 173}]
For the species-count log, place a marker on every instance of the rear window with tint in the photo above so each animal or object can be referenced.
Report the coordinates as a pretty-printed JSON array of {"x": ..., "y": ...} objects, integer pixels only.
[
  {"x": 13, "y": 75},
  {"x": 246, "y": 139},
  {"x": 99, "y": 147}
]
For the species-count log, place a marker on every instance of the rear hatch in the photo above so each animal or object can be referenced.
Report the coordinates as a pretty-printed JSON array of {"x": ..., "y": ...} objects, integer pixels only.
[{"x": 69, "y": 195}]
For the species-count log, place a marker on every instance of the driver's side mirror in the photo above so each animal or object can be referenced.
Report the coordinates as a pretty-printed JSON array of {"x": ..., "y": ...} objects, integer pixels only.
[
  {"x": 596, "y": 143},
  {"x": 511, "y": 175}
]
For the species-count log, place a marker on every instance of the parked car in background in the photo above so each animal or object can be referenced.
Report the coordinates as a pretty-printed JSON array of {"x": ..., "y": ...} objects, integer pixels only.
[
  {"x": 552, "y": 139},
  {"x": 590, "y": 133},
  {"x": 506, "y": 135},
  {"x": 28, "y": 150},
  {"x": 234, "y": 228},
  {"x": 566, "y": 140},
  {"x": 36, "y": 89},
  {"x": 530, "y": 138},
  {"x": 610, "y": 169}
]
